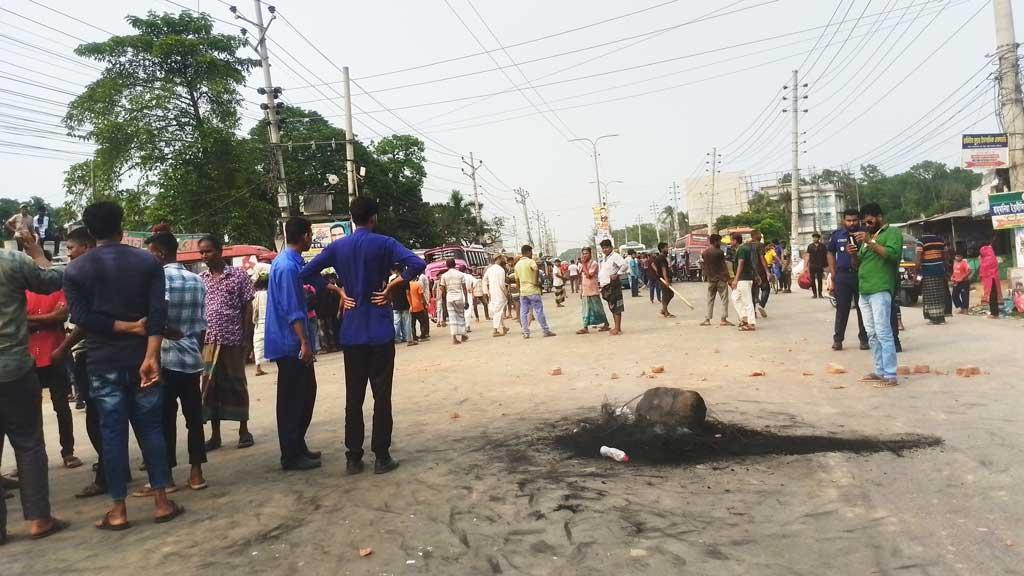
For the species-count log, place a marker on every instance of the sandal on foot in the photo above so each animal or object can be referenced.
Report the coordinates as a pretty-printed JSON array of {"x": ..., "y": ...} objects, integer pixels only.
[
  {"x": 105, "y": 524},
  {"x": 706, "y": 323},
  {"x": 887, "y": 383},
  {"x": 246, "y": 441},
  {"x": 201, "y": 486},
  {"x": 72, "y": 462},
  {"x": 212, "y": 445},
  {"x": 178, "y": 511},
  {"x": 871, "y": 378},
  {"x": 583, "y": 331},
  {"x": 56, "y": 526}
]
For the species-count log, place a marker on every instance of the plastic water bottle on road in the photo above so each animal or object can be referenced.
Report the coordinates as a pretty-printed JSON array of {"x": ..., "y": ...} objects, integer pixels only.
[{"x": 614, "y": 454}]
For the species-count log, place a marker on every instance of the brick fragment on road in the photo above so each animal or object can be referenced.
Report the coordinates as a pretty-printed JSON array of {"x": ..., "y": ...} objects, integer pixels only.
[
  {"x": 833, "y": 368},
  {"x": 921, "y": 369},
  {"x": 968, "y": 371},
  {"x": 555, "y": 371}
]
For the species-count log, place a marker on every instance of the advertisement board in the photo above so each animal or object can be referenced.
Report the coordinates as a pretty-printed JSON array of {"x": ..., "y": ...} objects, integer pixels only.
[
  {"x": 985, "y": 151},
  {"x": 186, "y": 242},
  {"x": 324, "y": 233},
  {"x": 1007, "y": 210}
]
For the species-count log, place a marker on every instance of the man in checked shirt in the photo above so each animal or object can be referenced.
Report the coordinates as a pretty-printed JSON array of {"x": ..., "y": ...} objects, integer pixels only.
[{"x": 181, "y": 359}]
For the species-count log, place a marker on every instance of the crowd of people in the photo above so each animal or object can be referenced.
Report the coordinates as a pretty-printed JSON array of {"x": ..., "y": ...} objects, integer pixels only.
[{"x": 141, "y": 336}]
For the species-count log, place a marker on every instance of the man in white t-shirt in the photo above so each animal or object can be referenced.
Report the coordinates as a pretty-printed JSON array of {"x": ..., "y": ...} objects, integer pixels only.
[
  {"x": 574, "y": 276},
  {"x": 609, "y": 277}
]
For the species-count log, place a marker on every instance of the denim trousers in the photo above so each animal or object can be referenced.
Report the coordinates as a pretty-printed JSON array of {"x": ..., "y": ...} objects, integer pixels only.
[
  {"x": 120, "y": 399},
  {"x": 403, "y": 325},
  {"x": 877, "y": 309}
]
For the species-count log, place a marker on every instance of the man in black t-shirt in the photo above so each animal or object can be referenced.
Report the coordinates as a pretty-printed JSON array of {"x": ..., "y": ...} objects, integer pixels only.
[
  {"x": 816, "y": 259},
  {"x": 664, "y": 272}
]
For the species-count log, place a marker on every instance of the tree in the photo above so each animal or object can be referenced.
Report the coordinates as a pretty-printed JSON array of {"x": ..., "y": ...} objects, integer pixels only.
[
  {"x": 164, "y": 111},
  {"x": 394, "y": 176},
  {"x": 455, "y": 221}
]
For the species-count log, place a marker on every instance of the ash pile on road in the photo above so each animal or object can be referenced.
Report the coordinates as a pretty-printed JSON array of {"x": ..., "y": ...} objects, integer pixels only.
[{"x": 649, "y": 443}]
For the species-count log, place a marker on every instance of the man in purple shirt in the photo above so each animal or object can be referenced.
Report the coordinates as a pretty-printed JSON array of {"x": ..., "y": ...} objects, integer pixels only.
[{"x": 363, "y": 262}]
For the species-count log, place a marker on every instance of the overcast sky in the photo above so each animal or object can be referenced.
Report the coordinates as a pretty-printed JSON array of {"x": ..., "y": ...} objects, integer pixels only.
[{"x": 671, "y": 96}]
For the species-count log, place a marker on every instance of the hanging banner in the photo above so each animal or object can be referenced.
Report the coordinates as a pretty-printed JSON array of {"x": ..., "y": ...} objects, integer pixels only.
[
  {"x": 1007, "y": 210},
  {"x": 186, "y": 242},
  {"x": 601, "y": 221},
  {"x": 985, "y": 151}
]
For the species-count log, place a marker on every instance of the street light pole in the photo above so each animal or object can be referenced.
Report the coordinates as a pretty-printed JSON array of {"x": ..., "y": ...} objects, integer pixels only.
[{"x": 597, "y": 170}]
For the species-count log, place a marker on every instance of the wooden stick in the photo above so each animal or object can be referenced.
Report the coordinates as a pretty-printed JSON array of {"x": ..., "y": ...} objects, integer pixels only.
[{"x": 676, "y": 292}]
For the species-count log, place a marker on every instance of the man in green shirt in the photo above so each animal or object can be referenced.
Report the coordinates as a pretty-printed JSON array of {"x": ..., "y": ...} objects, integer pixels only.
[
  {"x": 21, "y": 413},
  {"x": 876, "y": 251},
  {"x": 528, "y": 279},
  {"x": 742, "y": 284}
]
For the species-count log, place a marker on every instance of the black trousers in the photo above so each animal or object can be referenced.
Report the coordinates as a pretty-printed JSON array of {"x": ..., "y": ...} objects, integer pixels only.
[
  {"x": 55, "y": 378},
  {"x": 183, "y": 387},
  {"x": 759, "y": 293},
  {"x": 894, "y": 321},
  {"x": 422, "y": 319},
  {"x": 817, "y": 277},
  {"x": 21, "y": 420},
  {"x": 993, "y": 298},
  {"x": 296, "y": 397},
  {"x": 962, "y": 295},
  {"x": 376, "y": 365},
  {"x": 846, "y": 297}
]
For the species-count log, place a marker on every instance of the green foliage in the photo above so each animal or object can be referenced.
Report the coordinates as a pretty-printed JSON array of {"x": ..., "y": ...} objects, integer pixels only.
[
  {"x": 569, "y": 255},
  {"x": 10, "y": 206},
  {"x": 455, "y": 221},
  {"x": 925, "y": 189},
  {"x": 164, "y": 112}
]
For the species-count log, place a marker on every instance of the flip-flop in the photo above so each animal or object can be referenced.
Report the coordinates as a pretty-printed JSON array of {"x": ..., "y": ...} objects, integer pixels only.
[
  {"x": 55, "y": 527},
  {"x": 246, "y": 441},
  {"x": 871, "y": 378},
  {"x": 201, "y": 486},
  {"x": 72, "y": 462},
  {"x": 106, "y": 525},
  {"x": 890, "y": 383},
  {"x": 178, "y": 511},
  {"x": 706, "y": 323}
]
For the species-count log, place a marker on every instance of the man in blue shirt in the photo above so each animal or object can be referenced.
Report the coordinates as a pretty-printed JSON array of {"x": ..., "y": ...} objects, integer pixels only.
[
  {"x": 363, "y": 263},
  {"x": 844, "y": 279},
  {"x": 286, "y": 343},
  {"x": 634, "y": 273}
]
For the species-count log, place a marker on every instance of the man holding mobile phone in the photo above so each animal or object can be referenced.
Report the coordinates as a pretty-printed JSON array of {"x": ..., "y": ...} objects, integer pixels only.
[{"x": 842, "y": 246}]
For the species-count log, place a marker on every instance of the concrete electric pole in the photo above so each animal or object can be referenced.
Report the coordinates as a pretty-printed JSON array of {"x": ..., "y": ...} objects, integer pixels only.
[
  {"x": 714, "y": 185},
  {"x": 794, "y": 218},
  {"x": 674, "y": 191},
  {"x": 350, "y": 141},
  {"x": 270, "y": 107},
  {"x": 474, "y": 165},
  {"x": 1010, "y": 105},
  {"x": 521, "y": 196},
  {"x": 654, "y": 212},
  {"x": 540, "y": 232}
]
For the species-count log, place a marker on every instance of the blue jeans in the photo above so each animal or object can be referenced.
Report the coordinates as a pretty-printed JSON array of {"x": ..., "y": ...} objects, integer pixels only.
[
  {"x": 877, "y": 310},
  {"x": 120, "y": 399},
  {"x": 535, "y": 303},
  {"x": 654, "y": 285},
  {"x": 403, "y": 325},
  {"x": 634, "y": 286}
]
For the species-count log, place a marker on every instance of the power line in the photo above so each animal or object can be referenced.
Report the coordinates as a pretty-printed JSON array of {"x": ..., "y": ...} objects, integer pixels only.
[
  {"x": 824, "y": 30},
  {"x": 843, "y": 45},
  {"x": 912, "y": 70},
  {"x": 75, "y": 61},
  {"x": 79, "y": 20},
  {"x": 805, "y": 73},
  {"x": 38, "y": 23}
]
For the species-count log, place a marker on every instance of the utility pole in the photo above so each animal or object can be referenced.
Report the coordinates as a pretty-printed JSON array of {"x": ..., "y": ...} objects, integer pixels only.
[
  {"x": 675, "y": 210},
  {"x": 521, "y": 196},
  {"x": 270, "y": 107},
  {"x": 474, "y": 165},
  {"x": 350, "y": 139},
  {"x": 714, "y": 184},
  {"x": 540, "y": 232},
  {"x": 515, "y": 232},
  {"x": 1010, "y": 104},
  {"x": 794, "y": 218},
  {"x": 639, "y": 230},
  {"x": 654, "y": 212}
]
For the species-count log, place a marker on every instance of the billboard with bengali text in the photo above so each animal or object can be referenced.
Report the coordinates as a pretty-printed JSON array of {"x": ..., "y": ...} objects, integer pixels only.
[{"x": 985, "y": 151}]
